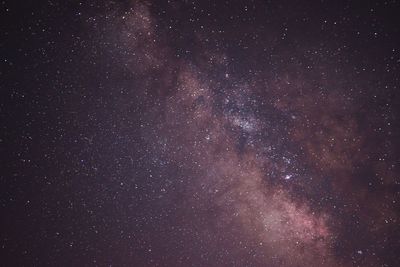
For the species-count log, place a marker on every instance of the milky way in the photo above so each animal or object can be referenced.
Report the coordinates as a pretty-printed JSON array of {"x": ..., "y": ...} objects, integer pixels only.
[{"x": 179, "y": 133}]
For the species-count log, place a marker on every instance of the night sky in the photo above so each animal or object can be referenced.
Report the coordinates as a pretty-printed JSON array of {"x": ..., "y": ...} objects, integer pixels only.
[{"x": 200, "y": 133}]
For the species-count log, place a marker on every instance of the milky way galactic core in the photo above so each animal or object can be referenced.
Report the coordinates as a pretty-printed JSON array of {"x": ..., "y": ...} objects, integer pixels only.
[{"x": 200, "y": 133}]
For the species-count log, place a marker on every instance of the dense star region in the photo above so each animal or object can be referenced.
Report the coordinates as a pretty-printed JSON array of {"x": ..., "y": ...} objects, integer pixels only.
[{"x": 200, "y": 133}]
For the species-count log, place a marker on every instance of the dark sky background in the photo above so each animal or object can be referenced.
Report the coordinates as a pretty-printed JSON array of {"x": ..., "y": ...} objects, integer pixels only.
[{"x": 200, "y": 133}]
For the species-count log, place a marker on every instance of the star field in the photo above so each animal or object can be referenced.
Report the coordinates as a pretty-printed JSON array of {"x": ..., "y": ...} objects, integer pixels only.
[{"x": 200, "y": 133}]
